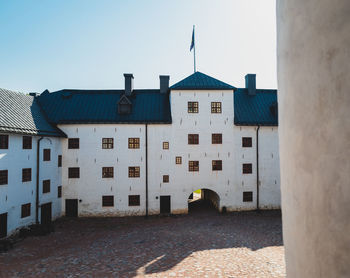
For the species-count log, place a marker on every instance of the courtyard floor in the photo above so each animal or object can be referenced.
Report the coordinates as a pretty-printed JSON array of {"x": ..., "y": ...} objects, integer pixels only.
[{"x": 201, "y": 244}]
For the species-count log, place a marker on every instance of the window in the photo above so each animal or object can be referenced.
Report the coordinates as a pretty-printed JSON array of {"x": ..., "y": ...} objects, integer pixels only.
[
  {"x": 107, "y": 172},
  {"x": 193, "y": 166},
  {"x": 27, "y": 142},
  {"x": 247, "y": 168},
  {"x": 134, "y": 200},
  {"x": 73, "y": 172},
  {"x": 216, "y": 107},
  {"x": 217, "y": 165},
  {"x": 134, "y": 172},
  {"x": 193, "y": 139},
  {"x": 124, "y": 108},
  {"x": 59, "y": 162},
  {"x": 26, "y": 174},
  {"x": 108, "y": 201},
  {"x": 178, "y": 160},
  {"x": 216, "y": 138},
  {"x": 46, "y": 186},
  {"x": 246, "y": 142},
  {"x": 73, "y": 143},
  {"x": 134, "y": 143},
  {"x": 59, "y": 191},
  {"x": 248, "y": 196},
  {"x": 192, "y": 107},
  {"x": 3, "y": 177},
  {"x": 4, "y": 141},
  {"x": 165, "y": 145},
  {"x": 47, "y": 154},
  {"x": 107, "y": 143},
  {"x": 25, "y": 210},
  {"x": 165, "y": 178}
]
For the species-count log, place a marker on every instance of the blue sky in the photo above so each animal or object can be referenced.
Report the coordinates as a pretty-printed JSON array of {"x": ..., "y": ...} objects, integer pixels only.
[{"x": 90, "y": 44}]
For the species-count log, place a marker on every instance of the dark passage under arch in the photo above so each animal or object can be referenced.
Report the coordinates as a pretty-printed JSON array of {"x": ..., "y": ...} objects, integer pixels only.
[{"x": 203, "y": 200}]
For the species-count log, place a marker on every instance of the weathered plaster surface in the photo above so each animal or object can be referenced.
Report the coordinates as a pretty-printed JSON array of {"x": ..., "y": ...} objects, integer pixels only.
[{"x": 314, "y": 117}]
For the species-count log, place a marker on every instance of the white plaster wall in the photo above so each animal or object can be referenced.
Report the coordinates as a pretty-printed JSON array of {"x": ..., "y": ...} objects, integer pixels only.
[
  {"x": 229, "y": 183},
  {"x": 90, "y": 157},
  {"x": 269, "y": 169},
  {"x": 16, "y": 192}
]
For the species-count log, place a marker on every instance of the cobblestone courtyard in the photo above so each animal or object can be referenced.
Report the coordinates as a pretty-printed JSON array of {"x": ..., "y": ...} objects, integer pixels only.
[{"x": 201, "y": 244}]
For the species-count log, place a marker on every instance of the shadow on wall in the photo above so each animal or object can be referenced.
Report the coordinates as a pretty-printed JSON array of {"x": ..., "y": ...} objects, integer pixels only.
[{"x": 136, "y": 246}]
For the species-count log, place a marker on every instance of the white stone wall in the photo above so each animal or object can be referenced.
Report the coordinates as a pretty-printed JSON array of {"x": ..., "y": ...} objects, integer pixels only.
[
  {"x": 229, "y": 184},
  {"x": 90, "y": 157},
  {"x": 16, "y": 193}
]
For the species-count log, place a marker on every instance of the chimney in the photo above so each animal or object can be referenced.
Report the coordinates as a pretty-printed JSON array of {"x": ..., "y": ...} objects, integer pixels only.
[
  {"x": 129, "y": 83},
  {"x": 164, "y": 83},
  {"x": 250, "y": 84}
]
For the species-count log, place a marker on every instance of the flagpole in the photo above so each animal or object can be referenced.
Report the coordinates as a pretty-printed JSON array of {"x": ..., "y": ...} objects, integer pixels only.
[{"x": 194, "y": 51}]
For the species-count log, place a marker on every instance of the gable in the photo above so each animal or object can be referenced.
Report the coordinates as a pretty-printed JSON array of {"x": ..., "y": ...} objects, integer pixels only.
[{"x": 201, "y": 81}]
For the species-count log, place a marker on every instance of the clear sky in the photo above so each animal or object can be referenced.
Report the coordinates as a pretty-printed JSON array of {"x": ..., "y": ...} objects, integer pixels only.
[{"x": 89, "y": 44}]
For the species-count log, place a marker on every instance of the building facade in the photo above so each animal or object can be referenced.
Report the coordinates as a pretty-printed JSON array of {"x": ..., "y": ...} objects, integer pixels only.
[{"x": 143, "y": 152}]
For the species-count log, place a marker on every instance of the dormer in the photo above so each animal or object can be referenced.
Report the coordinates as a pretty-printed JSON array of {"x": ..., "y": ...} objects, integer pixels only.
[{"x": 124, "y": 105}]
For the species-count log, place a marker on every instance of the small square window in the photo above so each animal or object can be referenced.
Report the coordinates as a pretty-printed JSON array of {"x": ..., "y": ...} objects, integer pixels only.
[
  {"x": 25, "y": 210},
  {"x": 165, "y": 145},
  {"x": 248, "y": 196},
  {"x": 4, "y": 141},
  {"x": 134, "y": 143},
  {"x": 3, "y": 177},
  {"x": 192, "y": 107},
  {"x": 216, "y": 138},
  {"x": 26, "y": 174},
  {"x": 59, "y": 191},
  {"x": 107, "y": 172},
  {"x": 59, "y": 162},
  {"x": 27, "y": 142},
  {"x": 246, "y": 142},
  {"x": 193, "y": 139},
  {"x": 217, "y": 165},
  {"x": 107, "y": 143},
  {"x": 165, "y": 178},
  {"x": 215, "y": 107},
  {"x": 46, "y": 186},
  {"x": 47, "y": 154},
  {"x": 178, "y": 160},
  {"x": 108, "y": 201},
  {"x": 134, "y": 200},
  {"x": 73, "y": 143},
  {"x": 247, "y": 168},
  {"x": 193, "y": 166},
  {"x": 134, "y": 172},
  {"x": 73, "y": 172}
]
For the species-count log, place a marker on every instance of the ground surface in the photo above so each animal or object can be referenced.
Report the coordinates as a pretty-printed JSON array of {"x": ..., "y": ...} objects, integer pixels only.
[{"x": 201, "y": 244}]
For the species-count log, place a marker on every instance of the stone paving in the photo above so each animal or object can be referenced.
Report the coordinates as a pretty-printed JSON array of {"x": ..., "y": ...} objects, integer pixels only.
[{"x": 201, "y": 244}]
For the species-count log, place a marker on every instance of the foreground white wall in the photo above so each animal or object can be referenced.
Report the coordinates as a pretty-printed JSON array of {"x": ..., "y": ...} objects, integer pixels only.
[
  {"x": 16, "y": 193},
  {"x": 314, "y": 101}
]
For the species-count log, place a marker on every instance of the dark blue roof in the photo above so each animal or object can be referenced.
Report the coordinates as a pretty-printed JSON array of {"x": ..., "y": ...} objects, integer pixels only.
[
  {"x": 257, "y": 109},
  {"x": 101, "y": 106},
  {"x": 20, "y": 113},
  {"x": 201, "y": 81}
]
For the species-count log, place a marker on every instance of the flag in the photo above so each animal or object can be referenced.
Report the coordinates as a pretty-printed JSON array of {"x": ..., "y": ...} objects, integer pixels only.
[{"x": 192, "y": 43}]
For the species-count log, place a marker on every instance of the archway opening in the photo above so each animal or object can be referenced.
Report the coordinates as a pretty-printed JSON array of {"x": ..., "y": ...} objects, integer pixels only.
[{"x": 203, "y": 200}]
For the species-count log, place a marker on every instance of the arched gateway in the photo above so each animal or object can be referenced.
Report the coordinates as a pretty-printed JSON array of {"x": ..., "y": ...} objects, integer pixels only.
[{"x": 203, "y": 198}]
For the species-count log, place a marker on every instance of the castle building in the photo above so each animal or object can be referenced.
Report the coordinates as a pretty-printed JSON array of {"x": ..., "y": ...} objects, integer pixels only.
[{"x": 137, "y": 152}]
